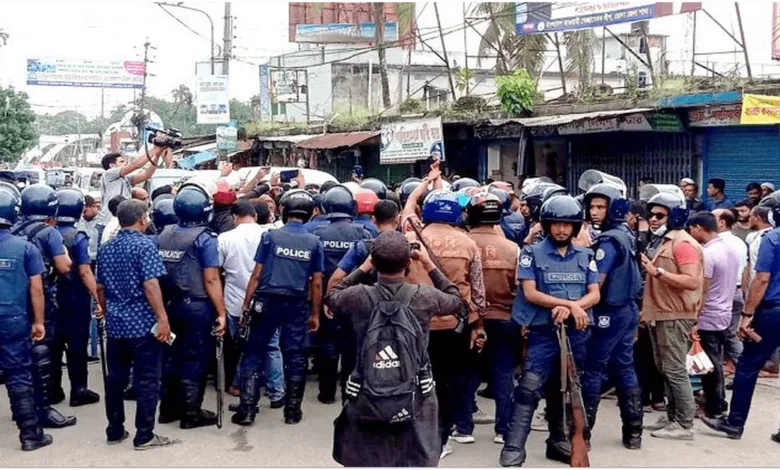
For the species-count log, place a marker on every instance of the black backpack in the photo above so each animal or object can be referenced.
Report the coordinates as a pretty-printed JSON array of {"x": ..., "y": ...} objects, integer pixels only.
[{"x": 392, "y": 374}]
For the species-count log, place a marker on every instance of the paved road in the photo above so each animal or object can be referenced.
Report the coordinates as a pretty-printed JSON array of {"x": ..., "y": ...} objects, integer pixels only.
[{"x": 271, "y": 443}]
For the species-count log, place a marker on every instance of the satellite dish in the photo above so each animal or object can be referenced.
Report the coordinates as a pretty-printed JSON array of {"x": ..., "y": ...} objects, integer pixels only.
[
  {"x": 649, "y": 190},
  {"x": 593, "y": 177}
]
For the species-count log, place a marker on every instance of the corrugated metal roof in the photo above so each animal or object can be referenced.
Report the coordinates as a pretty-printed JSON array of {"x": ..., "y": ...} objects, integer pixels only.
[
  {"x": 558, "y": 120},
  {"x": 335, "y": 140}
]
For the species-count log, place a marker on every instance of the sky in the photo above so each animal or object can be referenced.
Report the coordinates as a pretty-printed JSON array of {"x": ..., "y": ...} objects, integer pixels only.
[{"x": 117, "y": 30}]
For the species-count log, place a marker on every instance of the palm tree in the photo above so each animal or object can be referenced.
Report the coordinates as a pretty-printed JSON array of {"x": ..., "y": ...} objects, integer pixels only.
[
  {"x": 3, "y": 37},
  {"x": 512, "y": 51},
  {"x": 379, "y": 21},
  {"x": 181, "y": 96},
  {"x": 580, "y": 56}
]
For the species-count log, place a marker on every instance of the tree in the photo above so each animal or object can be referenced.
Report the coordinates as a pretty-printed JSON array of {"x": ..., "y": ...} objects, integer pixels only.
[
  {"x": 3, "y": 37},
  {"x": 516, "y": 92},
  {"x": 240, "y": 111},
  {"x": 17, "y": 133},
  {"x": 580, "y": 57},
  {"x": 500, "y": 39},
  {"x": 379, "y": 21},
  {"x": 182, "y": 96}
]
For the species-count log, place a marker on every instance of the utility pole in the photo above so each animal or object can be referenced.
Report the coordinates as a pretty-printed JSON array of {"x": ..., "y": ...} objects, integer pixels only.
[
  {"x": 744, "y": 45},
  {"x": 693, "y": 52},
  {"x": 465, "y": 46},
  {"x": 379, "y": 21},
  {"x": 444, "y": 51},
  {"x": 227, "y": 40},
  {"x": 102, "y": 102},
  {"x": 141, "y": 115}
]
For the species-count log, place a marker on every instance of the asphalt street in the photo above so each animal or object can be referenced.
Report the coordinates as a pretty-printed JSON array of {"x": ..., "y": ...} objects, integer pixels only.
[{"x": 271, "y": 443}]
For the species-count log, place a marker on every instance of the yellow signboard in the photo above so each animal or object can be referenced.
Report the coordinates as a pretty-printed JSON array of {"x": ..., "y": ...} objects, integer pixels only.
[{"x": 760, "y": 109}]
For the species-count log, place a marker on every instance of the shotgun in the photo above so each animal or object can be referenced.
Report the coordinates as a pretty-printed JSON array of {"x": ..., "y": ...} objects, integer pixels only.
[
  {"x": 219, "y": 385},
  {"x": 572, "y": 397}
]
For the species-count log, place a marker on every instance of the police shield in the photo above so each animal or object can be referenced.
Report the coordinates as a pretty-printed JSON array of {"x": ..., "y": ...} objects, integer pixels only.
[
  {"x": 649, "y": 190},
  {"x": 591, "y": 178}
]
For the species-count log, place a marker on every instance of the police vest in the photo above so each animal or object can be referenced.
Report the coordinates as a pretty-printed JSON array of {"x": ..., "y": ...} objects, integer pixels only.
[
  {"x": 513, "y": 225},
  {"x": 365, "y": 222},
  {"x": 287, "y": 268},
  {"x": 70, "y": 285},
  {"x": 185, "y": 274},
  {"x": 564, "y": 279},
  {"x": 623, "y": 284},
  {"x": 337, "y": 238},
  {"x": 499, "y": 267},
  {"x": 35, "y": 232},
  {"x": 13, "y": 278}
]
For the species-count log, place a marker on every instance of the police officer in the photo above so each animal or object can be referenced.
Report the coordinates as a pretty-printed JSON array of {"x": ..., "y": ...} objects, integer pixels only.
[
  {"x": 558, "y": 283},
  {"x": 335, "y": 335},
  {"x": 163, "y": 214},
  {"x": 616, "y": 315},
  {"x": 380, "y": 190},
  {"x": 38, "y": 209},
  {"x": 499, "y": 265},
  {"x": 75, "y": 291},
  {"x": 289, "y": 268},
  {"x": 318, "y": 219},
  {"x": 193, "y": 295},
  {"x": 512, "y": 223},
  {"x": 20, "y": 276}
]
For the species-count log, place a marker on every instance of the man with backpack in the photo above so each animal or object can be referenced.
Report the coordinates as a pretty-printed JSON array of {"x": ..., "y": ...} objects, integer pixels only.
[{"x": 390, "y": 418}]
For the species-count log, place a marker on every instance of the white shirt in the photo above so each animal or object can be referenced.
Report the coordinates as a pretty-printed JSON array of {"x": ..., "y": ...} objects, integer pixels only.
[
  {"x": 754, "y": 240},
  {"x": 739, "y": 247},
  {"x": 237, "y": 249},
  {"x": 110, "y": 231}
]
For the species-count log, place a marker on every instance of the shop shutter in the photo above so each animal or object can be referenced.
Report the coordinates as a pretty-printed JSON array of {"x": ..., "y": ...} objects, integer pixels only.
[{"x": 742, "y": 155}]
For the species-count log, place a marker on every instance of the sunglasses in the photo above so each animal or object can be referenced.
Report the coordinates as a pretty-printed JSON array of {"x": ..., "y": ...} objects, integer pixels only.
[{"x": 657, "y": 215}]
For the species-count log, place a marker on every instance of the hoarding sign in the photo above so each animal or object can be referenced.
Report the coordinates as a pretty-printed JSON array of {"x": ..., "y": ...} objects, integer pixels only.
[
  {"x": 288, "y": 86},
  {"x": 265, "y": 93},
  {"x": 213, "y": 99},
  {"x": 760, "y": 109},
  {"x": 715, "y": 116},
  {"x": 409, "y": 141},
  {"x": 85, "y": 73},
  {"x": 639, "y": 122},
  {"x": 343, "y": 32},
  {"x": 227, "y": 136},
  {"x": 545, "y": 17}
]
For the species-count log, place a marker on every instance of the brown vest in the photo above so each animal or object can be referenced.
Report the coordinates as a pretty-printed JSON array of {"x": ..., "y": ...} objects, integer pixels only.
[
  {"x": 664, "y": 302},
  {"x": 454, "y": 250},
  {"x": 499, "y": 265}
]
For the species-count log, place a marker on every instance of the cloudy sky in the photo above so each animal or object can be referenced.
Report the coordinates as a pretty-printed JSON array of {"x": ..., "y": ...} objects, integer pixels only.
[{"x": 117, "y": 31}]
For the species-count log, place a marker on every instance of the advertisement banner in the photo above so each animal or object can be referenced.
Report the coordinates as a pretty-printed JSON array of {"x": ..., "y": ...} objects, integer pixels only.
[
  {"x": 343, "y": 32},
  {"x": 715, "y": 116},
  {"x": 546, "y": 17},
  {"x": 409, "y": 141},
  {"x": 227, "y": 136},
  {"x": 213, "y": 99},
  {"x": 650, "y": 122},
  {"x": 288, "y": 86},
  {"x": 85, "y": 73},
  {"x": 265, "y": 93},
  {"x": 760, "y": 109}
]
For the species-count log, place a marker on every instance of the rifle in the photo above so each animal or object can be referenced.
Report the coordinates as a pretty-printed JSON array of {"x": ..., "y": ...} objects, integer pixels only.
[
  {"x": 101, "y": 329},
  {"x": 572, "y": 399},
  {"x": 219, "y": 385}
]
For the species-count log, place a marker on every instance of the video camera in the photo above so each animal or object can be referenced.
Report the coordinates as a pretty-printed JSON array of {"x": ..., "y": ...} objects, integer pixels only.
[{"x": 169, "y": 138}]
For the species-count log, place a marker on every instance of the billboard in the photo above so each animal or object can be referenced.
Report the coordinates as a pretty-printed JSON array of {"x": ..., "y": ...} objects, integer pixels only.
[
  {"x": 760, "y": 109},
  {"x": 546, "y": 17},
  {"x": 265, "y": 93},
  {"x": 227, "y": 136},
  {"x": 409, "y": 141},
  {"x": 85, "y": 73},
  {"x": 343, "y": 32},
  {"x": 213, "y": 99},
  {"x": 288, "y": 86}
]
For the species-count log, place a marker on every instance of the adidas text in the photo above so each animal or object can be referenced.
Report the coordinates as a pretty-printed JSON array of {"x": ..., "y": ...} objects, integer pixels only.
[{"x": 387, "y": 364}]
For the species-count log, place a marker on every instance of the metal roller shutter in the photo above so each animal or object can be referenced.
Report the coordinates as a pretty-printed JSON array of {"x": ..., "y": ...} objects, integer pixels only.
[{"x": 742, "y": 155}]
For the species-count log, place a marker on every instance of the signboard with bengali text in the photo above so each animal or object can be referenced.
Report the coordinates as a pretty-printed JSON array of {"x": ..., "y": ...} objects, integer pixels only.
[
  {"x": 213, "y": 99},
  {"x": 412, "y": 140},
  {"x": 85, "y": 73},
  {"x": 760, "y": 109},
  {"x": 715, "y": 116}
]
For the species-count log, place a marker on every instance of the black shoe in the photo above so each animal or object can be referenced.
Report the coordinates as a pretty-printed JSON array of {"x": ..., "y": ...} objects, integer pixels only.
[
  {"x": 168, "y": 417},
  {"x": 722, "y": 425},
  {"x": 53, "y": 419},
  {"x": 243, "y": 417},
  {"x": 559, "y": 451},
  {"x": 293, "y": 416},
  {"x": 57, "y": 396},
  {"x": 83, "y": 397},
  {"x": 129, "y": 393},
  {"x": 33, "y": 444},
  {"x": 234, "y": 407},
  {"x": 730, "y": 385},
  {"x": 325, "y": 400},
  {"x": 113, "y": 442},
  {"x": 92, "y": 359},
  {"x": 776, "y": 437},
  {"x": 275, "y": 405},
  {"x": 200, "y": 419}
]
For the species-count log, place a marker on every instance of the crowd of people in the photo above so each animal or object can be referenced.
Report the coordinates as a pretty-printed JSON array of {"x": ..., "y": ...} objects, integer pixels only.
[{"x": 407, "y": 298}]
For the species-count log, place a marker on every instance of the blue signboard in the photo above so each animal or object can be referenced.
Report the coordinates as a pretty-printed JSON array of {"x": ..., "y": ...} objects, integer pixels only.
[{"x": 343, "y": 32}]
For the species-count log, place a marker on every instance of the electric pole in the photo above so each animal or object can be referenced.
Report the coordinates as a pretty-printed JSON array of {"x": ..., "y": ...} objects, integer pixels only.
[
  {"x": 444, "y": 51},
  {"x": 140, "y": 116},
  {"x": 227, "y": 40}
]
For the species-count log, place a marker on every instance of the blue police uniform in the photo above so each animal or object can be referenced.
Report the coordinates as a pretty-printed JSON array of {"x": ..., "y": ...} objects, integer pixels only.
[
  {"x": 290, "y": 256},
  {"x": 335, "y": 337},
  {"x": 19, "y": 261},
  {"x": 364, "y": 220},
  {"x": 567, "y": 277},
  {"x": 513, "y": 225},
  {"x": 316, "y": 222},
  {"x": 616, "y": 318},
  {"x": 75, "y": 314},
  {"x": 355, "y": 256},
  {"x": 186, "y": 252}
]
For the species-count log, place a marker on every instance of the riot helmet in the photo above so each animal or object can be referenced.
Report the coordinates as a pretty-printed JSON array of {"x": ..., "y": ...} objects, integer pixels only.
[
  {"x": 441, "y": 206},
  {"x": 71, "y": 205},
  {"x": 502, "y": 196},
  {"x": 193, "y": 206},
  {"x": 297, "y": 203},
  {"x": 163, "y": 214},
  {"x": 617, "y": 204},
  {"x": 484, "y": 209},
  {"x": 561, "y": 208},
  {"x": 338, "y": 203},
  {"x": 772, "y": 202},
  {"x": 376, "y": 186},
  {"x": 463, "y": 183},
  {"x": 406, "y": 190},
  {"x": 365, "y": 200},
  {"x": 675, "y": 205},
  {"x": 39, "y": 202},
  {"x": 9, "y": 208}
]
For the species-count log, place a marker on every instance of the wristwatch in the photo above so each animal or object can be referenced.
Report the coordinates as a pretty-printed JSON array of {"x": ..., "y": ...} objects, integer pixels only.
[{"x": 660, "y": 272}]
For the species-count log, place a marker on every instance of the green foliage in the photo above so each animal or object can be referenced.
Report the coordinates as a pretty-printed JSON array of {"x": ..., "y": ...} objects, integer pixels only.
[
  {"x": 463, "y": 78},
  {"x": 500, "y": 40},
  {"x": 516, "y": 92},
  {"x": 579, "y": 57},
  {"x": 411, "y": 106},
  {"x": 17, "y": 131}
]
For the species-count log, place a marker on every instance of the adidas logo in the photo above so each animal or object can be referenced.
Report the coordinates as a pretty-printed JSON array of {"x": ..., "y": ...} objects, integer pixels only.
[
  {"x": 401, "y": 416},
  {"x": 386, "y": 359}
]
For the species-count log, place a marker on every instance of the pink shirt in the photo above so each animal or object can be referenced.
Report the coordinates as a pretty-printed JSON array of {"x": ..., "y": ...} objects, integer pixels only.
[{"x": 721, "y": 268}]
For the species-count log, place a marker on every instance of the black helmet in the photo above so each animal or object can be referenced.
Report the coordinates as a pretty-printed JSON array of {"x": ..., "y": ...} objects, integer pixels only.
[
  {"x": 39, "y": 202},
  {"x": 9, "y": 206},
  {"x": 562, "y": 208},
  {"x": 678, "y": 210},
  {"x": 71, "y": 204},
  {"x": 193, "y": 206},
  {"x": 772, "y": 202},
  {"x": 463, "y": 183},
  {"x": 553, "y": 190},
  {"x": 484, "y": 209},
  {"x": 503, "y": 197},
  {"x": 338, "y": 203},
  {"x": 375, "y": 185},
  {"x": 298, "y": 203},
  {"x": 163, "y": 213},
  {"x": 533, "y": 195},
  {"x": 617, "y": 204},
  {"x": 408, "y": 180},
  {"x": 406, "y": 190}
]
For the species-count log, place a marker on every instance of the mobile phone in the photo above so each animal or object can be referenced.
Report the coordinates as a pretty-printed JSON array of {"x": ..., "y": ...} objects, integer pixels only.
[
  {"x": 287, "y": 176},
  {"x": 172, "y": 337}
]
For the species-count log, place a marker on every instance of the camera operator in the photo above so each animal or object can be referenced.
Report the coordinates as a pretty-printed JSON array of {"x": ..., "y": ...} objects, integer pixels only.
[{"x": 118, "y": 178}]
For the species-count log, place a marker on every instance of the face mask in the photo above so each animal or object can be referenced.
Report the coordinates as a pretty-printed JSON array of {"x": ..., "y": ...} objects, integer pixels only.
[{"x": 660, "y": 232}]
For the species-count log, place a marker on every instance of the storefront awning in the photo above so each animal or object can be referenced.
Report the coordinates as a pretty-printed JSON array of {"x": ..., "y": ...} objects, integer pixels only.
[
  {"x": 336, "y": 140},
  {"x": 557, "y": 120},
  {"x": 292, "y": 139}
]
